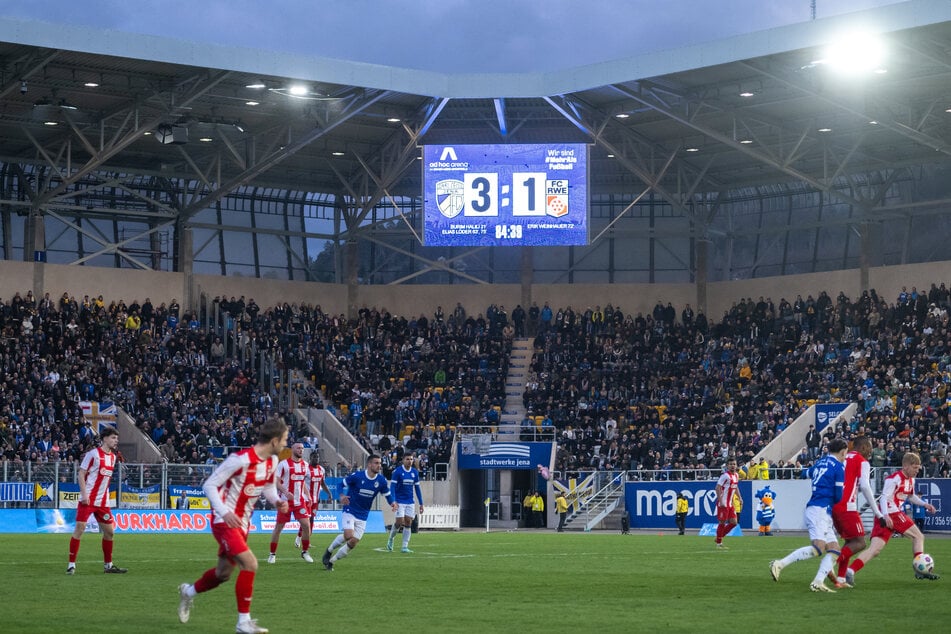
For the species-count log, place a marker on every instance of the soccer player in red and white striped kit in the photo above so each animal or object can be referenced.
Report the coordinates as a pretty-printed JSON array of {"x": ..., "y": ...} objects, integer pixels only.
[
  {"x": 95, "y": 473},
  {"x": 291, "y": 480},
  {"x": 233, "y": 489}
]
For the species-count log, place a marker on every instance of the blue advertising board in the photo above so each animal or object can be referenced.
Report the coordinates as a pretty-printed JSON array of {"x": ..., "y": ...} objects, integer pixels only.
[
  {"x": 505, "y": 195},
  {"x": 654, "y": 504},
  {"x": 826, "y": 413},
  {"x": 506, "y": 455},
  {"x": 935, "y": 491}
]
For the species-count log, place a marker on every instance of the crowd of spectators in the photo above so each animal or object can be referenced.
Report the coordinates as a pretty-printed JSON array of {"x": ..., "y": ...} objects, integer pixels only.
[
  {"x": 659, "y": 393},
  {"x": 655, "y": 392}
]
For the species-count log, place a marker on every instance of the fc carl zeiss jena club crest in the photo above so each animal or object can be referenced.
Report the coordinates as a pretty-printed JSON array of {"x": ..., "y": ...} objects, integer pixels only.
[{"x": 449, "y": 197}]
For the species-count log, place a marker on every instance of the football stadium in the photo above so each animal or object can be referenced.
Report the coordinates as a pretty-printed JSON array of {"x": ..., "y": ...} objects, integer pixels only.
[{"x": 280, "y": 327}]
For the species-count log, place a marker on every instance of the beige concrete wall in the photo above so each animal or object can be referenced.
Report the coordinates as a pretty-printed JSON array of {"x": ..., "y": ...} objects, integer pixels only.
[
  {"x": 129, "y": 284},
  {"x": 332, "y": 298},
  {"x": 15, "y": 277}
]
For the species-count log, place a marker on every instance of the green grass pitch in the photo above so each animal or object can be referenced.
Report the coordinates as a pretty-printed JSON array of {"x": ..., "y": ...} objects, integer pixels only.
[{"x": 472, "y": 582}]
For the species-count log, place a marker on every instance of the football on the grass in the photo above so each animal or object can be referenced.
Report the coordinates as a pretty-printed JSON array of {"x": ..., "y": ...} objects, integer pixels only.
[{"x": 923, "y": 563}]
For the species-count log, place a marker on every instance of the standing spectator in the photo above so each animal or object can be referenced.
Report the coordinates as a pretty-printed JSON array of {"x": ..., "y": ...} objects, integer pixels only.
[
  {"x": 233, "y": 490},
  {"x": 813, "y": 440},
  {"x": 561, "y": 507},
  {"x": 404, "y": 482},
  {"x": 95, "y": 473},
  {"x": 527, "y": 516},
  {"x": 683, "y": 507},
  {"x": 538, "y": 510},
  {"x": 362, "y": 488}
]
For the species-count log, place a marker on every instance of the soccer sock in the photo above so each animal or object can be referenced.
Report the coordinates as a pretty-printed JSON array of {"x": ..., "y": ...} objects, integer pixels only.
[
  {"x": 915, "y": 554},
  {"x": 107, "y": 551},
  {"x": 722, "y": 530},
  {"x": 856, "y": 565},
  {"x": 243, "y": 589},
  {"x": 336, "y": 543},
  {"x": 208, "y": 581},
  {"x": 406, "y": 535},
  {"x": 393, "y": 530},
  {"x": 73, "y": 549},
  {"x": 800, "y": 554},
  {"x": 273, "y": 547},
  {"x": 343, "y": 552},
  {"x": 842, "y": 563},
  {"x": 305, "y": 545},
  {"x": 825, "y": 566}
]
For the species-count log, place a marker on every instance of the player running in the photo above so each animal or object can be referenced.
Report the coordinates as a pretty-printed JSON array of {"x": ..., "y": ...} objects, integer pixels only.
[
  {"x": 233, "y": 489},
  {"x": 845, "y": 514},
  {"x": 292, "y": 476},
  {"x": 403, "y": 482},
  {"x": 362, "y": 488},
  {"x": 897, "y": 489},
  {"x": 316, "y": 482},
  {"x": 828, "y": 478}
]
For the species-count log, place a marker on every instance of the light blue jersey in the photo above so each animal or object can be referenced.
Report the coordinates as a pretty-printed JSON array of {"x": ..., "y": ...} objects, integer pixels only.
[
  {"x": 361, "y": 489},
  {"x": 828, "y": 479},
  {"x": 404, "y": 481}
]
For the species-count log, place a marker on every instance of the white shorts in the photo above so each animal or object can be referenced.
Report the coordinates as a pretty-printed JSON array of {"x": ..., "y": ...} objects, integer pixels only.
[
  {"x": 406, "y": 510},
  {"x": 819, "y": 523},
  {"x": 350, "y": 523}
]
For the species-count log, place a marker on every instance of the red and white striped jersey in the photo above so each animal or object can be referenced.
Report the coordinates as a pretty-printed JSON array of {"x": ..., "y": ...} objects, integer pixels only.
[
  {"x": 317, "y": 477},
  {"x": 729, "y": 483},
  {"x": 895, "y": 490},
  {"x": 98, "y": 465},
  {"x": 857, "y": 472},
  {"x": 292, "y": 474},
  {"x": 238, "y": 482}
]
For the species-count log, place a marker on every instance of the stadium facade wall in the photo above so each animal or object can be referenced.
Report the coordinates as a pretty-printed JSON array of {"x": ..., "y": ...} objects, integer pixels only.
[{"x": 129, "y": 284}]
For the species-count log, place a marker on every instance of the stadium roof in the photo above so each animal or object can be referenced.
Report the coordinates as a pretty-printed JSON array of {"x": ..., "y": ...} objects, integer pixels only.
[{"x": 700, "y": 127}]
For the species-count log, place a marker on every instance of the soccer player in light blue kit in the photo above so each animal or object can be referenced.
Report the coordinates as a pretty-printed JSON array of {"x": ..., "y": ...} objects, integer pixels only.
[
  {"x": 362, "y": 487},
  {"x": 403, "y": 482},
  {"x": 828, "y": 479}
]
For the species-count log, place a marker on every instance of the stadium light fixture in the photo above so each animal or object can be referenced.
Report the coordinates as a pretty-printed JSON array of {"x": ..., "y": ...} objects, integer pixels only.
[
  {"x": 855, "y": 53},
  {"x": 256, "y": 84}
]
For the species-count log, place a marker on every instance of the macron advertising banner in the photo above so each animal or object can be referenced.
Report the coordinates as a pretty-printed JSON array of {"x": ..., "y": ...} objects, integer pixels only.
[
  {"x": 654, "y": 504},
  {"x": 155, "y": 521}
]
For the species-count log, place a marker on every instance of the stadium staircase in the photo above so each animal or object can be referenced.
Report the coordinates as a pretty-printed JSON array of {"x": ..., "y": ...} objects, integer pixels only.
[
  {"x": 605, "y": 503},
  {"x": 519, "y": 360}
]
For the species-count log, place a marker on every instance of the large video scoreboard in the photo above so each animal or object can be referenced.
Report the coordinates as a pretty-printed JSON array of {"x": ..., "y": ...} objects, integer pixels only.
[{"x": 505, "y": 195}]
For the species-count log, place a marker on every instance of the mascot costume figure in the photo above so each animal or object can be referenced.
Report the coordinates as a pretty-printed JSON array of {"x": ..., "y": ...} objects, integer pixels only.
[{"x": 766, "y": 512}]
